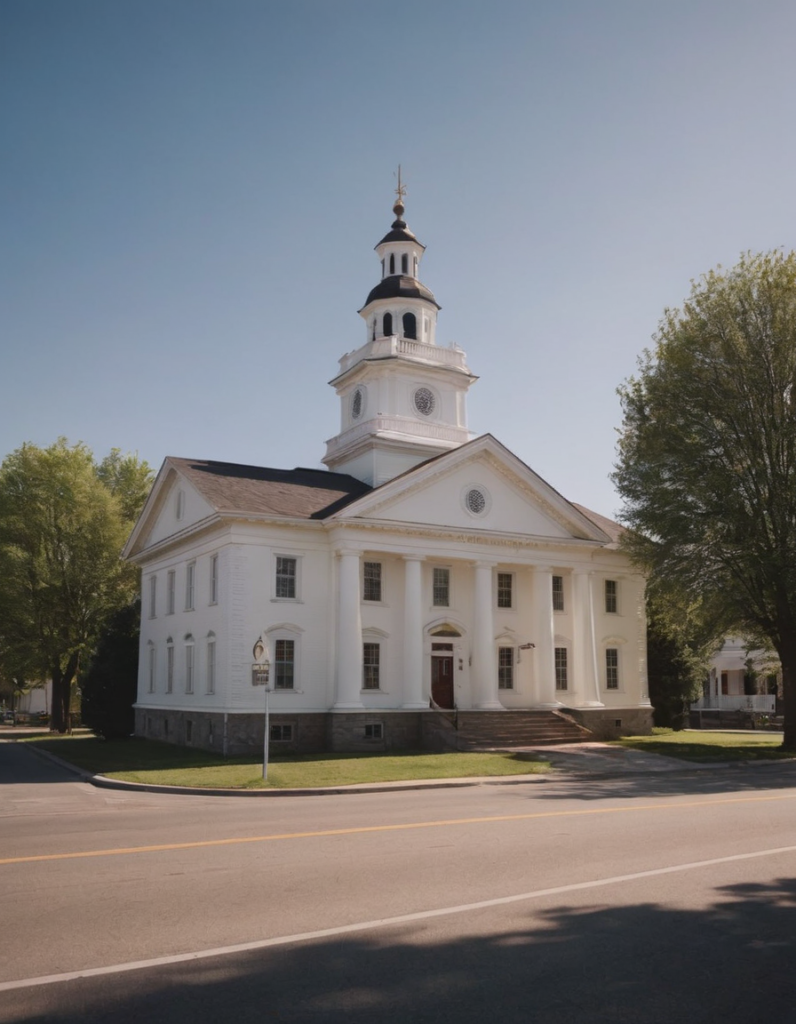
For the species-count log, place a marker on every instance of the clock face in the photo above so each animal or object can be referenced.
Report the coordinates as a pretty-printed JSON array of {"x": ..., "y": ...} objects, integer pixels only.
[{"x": 424, "y": 401}]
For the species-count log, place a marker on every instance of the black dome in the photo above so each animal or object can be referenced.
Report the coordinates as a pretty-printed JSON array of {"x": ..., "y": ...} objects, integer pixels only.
[{"x": 399, "y": 286}]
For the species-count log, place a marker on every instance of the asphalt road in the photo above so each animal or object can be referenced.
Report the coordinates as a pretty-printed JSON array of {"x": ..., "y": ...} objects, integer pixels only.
[{"x": 644, "y": 898}]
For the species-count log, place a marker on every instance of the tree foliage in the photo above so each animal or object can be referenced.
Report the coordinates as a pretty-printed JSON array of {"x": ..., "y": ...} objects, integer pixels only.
[
  {"x": 108, "y": 688},
  {"x": 707, "y": 455},
  {"x": 63, "y": 522}
]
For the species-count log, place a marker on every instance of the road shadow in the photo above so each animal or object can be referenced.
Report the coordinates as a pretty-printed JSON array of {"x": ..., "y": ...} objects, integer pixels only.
[
  {"x": 731, "y": 962},
  {"x": 19, "y": 765},
  {"x": 718, "y": 779}
]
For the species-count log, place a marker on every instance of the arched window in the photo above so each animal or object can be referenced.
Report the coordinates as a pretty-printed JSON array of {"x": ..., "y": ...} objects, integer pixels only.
[
  {"x": 373, "y": 335},
  {"x": 414, "y": 262},
  {"x": 392, "y": 263},
  {"x": 387, "y": 325},
  {"x": 404, "y": 264},
  {"x": 410, "y": 325},
  {"x": 382, "y": 268}
]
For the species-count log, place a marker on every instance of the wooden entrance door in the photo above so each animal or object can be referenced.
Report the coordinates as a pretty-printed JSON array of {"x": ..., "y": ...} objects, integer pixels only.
[{"x": 442, "y": 681}]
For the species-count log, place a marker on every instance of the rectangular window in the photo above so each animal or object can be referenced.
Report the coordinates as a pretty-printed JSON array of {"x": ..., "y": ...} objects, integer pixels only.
[
  {"x": 281, "y": 733},
  {"x": 505, "y": 668},
  {"x": 189, "y": 668},
  {"x": 561, "y": 668},
  {"x": 171, "y": 582},
  {"x": 371, "y": 657},
  {"x": 190, "y": 578},
  {"x": 214, "y": 579},
  {"x": 285, "y": 577},
  {"x": 153, "y": 594},
  {"x": 169, "y": 668},
  {"x": 442, "y": 588},
  {"x": 374, "y": 731},
  {"x": 558, "y": 593},
  {"x": 611, "y": 668},
  {"x": 284, "y": 664},
  {"x": 505, "y": 585},
  {"x": 211, "y": 666},
  {"x": 372, "y": 581},
  {"x": 610, "y": 596},
  {"x": 151, "y": 668}
]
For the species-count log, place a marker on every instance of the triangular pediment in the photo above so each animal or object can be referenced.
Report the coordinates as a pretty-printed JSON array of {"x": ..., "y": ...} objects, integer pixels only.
[
  {"x": 174, "y": 506},
  {"x": 481, "y": 486}
]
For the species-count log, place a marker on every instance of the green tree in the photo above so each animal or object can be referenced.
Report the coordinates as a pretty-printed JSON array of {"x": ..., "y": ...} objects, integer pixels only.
[
  {"x": 62, "y": 529},
  {"x": 108, "y": 688},
  {"x": 707, "y": 455},
  {"x": 680, "y": 642}
]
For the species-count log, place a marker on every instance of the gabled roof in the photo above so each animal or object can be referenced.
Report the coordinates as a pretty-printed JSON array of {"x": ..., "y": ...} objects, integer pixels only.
[
  {"x": 299, "y": 493},
  {"x": 576, "y": 519},
  {"x": 231, "y": 489},
  {"x": 613, "y": 529}
]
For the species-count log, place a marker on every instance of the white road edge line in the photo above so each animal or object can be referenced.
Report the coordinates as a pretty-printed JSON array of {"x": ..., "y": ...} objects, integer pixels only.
[{"x": 422, "y": 915}]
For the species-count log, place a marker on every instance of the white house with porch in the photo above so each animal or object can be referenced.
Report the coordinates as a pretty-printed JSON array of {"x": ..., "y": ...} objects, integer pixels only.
[{"x": 425, "y": 584}]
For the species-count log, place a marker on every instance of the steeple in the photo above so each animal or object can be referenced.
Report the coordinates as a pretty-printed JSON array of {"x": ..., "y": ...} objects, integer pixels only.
[{"x": 402, "y": 396}]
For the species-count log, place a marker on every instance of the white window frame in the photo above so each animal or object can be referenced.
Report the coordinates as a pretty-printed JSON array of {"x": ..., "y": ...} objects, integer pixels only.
[
  {"x": 372, "y": 645},
  {"x": 210, "y": 665},
  {"x": 190, "y": 586},
  {"x": 379, "y": 581},
  {"x": 507, "y": 653},
  {"x": 277, "y": 662},
  {"x": 151, "y": 666},
  {"x": 561, "y": 664},
  {"x": 275, "y": 577},
  {"x": 434, "y": 570},
  {"x": 169, "y": 666},
  {"x": 153, "y": 596},
  {"x": 213, "y": 579},
  {"x": 171, "y": 591},
  {"x": 511, "y": 584},
  {"x": 286, "y": 631},
  {"x": 190, "y": 663},
  {"x": 611, "y": 595},
  {"x": 612, "y": 669},
  {"x": 557, "y": 593}
]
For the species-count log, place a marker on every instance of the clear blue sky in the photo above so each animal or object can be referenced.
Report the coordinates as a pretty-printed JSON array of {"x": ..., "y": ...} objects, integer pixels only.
[{"x": 192, "y": 189}]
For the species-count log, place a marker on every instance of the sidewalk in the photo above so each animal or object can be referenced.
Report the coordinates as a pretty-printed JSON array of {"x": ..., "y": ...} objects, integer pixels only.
[{"x": 583, "y": 760}]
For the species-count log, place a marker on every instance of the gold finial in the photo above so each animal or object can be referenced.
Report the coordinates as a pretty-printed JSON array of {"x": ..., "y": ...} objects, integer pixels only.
[
  {"x": 398, "y": 207},
  {"x": 401, "y": 190}
]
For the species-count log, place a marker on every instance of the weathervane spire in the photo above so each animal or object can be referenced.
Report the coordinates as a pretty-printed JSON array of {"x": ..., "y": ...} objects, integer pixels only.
[{"x": 400, "y": 192}]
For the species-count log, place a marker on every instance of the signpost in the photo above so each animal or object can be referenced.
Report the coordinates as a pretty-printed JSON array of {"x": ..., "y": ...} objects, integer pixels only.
[{"x": 261, "y": 671}]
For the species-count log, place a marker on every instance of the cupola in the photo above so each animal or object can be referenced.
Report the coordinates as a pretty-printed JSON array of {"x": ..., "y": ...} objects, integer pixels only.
[{"x": 402, "y": 396}]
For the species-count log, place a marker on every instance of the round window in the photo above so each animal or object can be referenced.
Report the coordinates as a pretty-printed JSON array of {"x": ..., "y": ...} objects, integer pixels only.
[
  {"x": 424, "y": 401},
  {"x": 475, "y": 501},
  {"x": 356, "y": 404}
]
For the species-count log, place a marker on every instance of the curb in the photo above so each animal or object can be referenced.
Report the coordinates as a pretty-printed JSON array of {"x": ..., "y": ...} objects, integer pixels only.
[{"x": 103, "y": 782}]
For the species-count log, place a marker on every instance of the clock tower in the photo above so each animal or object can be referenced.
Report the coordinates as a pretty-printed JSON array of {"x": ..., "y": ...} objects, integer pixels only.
[{"x": 402, "y": 396}]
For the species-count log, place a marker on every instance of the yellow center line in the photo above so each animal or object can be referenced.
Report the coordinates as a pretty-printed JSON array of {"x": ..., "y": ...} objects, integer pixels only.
[{"x": 363, "y": 829}]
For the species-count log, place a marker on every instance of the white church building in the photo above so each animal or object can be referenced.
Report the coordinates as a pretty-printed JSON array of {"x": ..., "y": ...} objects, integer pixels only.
[{"x": 426, "y": 590}]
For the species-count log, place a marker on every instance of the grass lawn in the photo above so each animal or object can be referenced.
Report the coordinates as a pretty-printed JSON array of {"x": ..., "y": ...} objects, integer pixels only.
[
  {"x": 701, "y": 745},
  {"x": 162, "y": 764}
]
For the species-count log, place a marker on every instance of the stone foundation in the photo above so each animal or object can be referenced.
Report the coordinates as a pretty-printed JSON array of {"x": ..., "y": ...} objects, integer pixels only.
[
  {"x": 241, "y": 735},
  {"x": 611, "y": 723}
]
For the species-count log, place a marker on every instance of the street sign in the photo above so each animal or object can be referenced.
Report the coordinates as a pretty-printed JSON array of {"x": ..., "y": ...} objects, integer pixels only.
[{"x": 260, "y": 675}]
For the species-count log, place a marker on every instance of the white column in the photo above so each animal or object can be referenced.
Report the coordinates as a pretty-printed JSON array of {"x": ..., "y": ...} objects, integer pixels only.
[
  {"x": 585, "y": 667},
  {"x": 543, "y": 635},
  {"x": 413, "y": 634},
  {"x": 483, "y": 672},
  {"x": 348, "y": 677}
]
